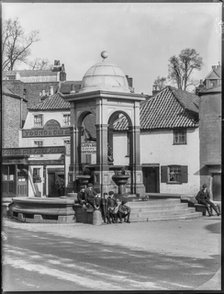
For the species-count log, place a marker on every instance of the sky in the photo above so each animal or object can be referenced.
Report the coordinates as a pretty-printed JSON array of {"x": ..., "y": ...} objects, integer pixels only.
[{"x": 139, "y": 37}]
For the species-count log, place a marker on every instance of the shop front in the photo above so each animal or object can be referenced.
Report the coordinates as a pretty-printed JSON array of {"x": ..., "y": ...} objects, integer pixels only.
[{"x": 26, "y": 171}]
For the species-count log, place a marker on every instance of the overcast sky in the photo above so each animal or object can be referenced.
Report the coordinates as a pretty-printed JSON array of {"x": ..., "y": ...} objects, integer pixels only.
[{"x": 139, "y": 37}]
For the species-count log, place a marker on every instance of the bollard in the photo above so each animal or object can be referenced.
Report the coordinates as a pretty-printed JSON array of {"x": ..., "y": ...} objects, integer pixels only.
[{"x": 97, "y": 218}]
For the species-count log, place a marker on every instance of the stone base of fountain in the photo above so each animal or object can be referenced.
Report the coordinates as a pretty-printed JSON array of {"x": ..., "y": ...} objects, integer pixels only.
[{"x": 42, "y": 210}]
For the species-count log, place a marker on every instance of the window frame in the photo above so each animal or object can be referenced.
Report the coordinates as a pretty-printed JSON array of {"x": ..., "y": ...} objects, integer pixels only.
[
  {"x": 177, "y": 133},
  {"x": 179, "y": 174},
  {"x": 36, "y": 123},
  {"x": 67, "y": 119},
  {"x": 38, "y": 145}
]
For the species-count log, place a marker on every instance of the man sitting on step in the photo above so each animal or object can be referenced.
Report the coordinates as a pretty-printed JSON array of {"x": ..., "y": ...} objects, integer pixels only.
[
  {"x": 203, "y": 197},
  {"x": 124, "y": 211}
]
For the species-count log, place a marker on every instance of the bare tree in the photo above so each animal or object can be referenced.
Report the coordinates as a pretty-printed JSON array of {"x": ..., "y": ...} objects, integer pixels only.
[
  {"x": 160, "y": 82},
  {"x": 182, "y": 66},
  {"x": 39, "y": 64},
  {"x": 15, "y": 43}
]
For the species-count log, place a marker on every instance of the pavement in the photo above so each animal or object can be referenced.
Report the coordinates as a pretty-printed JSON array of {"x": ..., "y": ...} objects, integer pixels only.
[{"x": 198, "y": 239}]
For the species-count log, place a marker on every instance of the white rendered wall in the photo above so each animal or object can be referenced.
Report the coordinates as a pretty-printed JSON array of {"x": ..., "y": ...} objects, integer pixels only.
[
  {"x": 120, "y": 149},
  {"x": 47, "y": 115},
  {"x": 157, "y": 147}
]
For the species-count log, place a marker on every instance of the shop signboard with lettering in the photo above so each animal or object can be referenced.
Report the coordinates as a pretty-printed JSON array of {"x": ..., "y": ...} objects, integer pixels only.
[
  {"x": 33, "y": 150},
  {"x": 88, "y": 147},
  {"x": 52, "y": 128}
]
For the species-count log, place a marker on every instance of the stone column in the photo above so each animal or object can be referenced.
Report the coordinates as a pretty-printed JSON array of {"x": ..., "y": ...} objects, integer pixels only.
[
  {"x": 102, "y": 178},
  {"x": 137, "y": 186}
]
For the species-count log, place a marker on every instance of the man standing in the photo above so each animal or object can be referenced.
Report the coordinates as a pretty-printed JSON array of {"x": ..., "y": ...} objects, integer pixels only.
[{"x": 203, "y": 197}]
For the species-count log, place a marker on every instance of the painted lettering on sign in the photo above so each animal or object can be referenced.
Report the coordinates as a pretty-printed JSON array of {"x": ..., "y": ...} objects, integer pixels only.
[
  {"x": 89, "y": 147},
  {"x": 52, "y": 128},
  {"x": 33, "y": 150}
]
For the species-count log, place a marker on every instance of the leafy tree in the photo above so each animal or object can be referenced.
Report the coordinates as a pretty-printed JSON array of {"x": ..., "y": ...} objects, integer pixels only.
[
  {"x": 160, "y": 83},
  {"x": 182, "y": 66},
  {"x": 15, "y": 43}
]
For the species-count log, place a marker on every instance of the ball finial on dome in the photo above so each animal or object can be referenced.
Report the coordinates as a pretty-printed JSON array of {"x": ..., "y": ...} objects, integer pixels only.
[{"x": 104, "y": 54}]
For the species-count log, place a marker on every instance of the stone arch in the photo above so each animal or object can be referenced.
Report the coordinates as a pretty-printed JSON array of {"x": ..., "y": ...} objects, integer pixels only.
[
  {"x": 128, "y": 122},
  {"x": 82, "y": 158}
]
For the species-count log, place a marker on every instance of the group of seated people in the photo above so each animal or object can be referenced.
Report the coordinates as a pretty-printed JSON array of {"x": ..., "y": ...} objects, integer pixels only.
[{"x": 112, "y": 210}]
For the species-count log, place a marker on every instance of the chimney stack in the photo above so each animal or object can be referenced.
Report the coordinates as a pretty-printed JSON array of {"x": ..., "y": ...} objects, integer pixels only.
[{"x": 155, "y": 89}]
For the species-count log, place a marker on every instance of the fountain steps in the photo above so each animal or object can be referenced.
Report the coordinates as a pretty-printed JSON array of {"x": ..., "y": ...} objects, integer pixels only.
[{"x": 161, "y": 209}]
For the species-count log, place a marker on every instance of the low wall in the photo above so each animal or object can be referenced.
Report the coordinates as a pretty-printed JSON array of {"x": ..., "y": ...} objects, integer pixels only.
[{"x": 46, "y": 210}]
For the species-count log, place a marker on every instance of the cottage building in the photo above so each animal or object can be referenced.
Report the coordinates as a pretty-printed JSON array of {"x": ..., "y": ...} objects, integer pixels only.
[
  {"x": 47, "y": 125},
  {"x": 169, "y": 142}
]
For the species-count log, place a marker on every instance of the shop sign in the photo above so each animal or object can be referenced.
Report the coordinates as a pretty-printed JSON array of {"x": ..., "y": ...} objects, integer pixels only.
[
  {"x": 89, "y": 147},
  {"x": 32, "y": 150},
  {"x": 52, "y": 128}
]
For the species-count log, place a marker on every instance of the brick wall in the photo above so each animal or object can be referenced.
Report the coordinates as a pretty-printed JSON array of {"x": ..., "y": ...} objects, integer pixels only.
[
  {"x": 10, "y": 122},
  {"x": 210, "y": 128},
  {"x": 32, "y": 94},
  {"x": 33, "y": 91}
]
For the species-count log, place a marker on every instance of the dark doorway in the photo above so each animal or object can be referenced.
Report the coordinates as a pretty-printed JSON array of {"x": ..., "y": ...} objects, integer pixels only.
[
  {"x": 216, "y": 187},
  {"x": 22, "y": 180},
  {"x": 55, "y": 189},
  {"x": 151, "y": 178}
]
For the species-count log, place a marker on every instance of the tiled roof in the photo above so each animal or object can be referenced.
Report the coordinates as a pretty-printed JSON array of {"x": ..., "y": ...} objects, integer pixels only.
[
  {"x": 53, "y": 102},
  {"x": 215, "y": 73},
  {"x": 170, "y": 108}
]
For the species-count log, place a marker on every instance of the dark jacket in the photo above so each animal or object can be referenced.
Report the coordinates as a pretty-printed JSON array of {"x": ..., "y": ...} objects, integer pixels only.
[
  {"x": 203, "y": 195},
  {"x": 81, "y": 196},
  {"x": 112, "y": 202}
]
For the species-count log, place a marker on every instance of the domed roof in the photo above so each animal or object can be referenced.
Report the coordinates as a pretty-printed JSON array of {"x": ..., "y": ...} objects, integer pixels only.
[{"x": 104, "y": 76}]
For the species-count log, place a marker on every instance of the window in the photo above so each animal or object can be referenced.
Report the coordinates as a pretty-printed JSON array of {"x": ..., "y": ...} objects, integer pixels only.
[
  {"x": 179, "y": 137},
  {"x": 174, "y": 174},
  {"x": 38, "y": 121},
  {"x": 67, "y": 146},
  {"x": 36, "y": 175},
  {"x": 38, "y": 143},
  {"x": 66, "y": 118}
]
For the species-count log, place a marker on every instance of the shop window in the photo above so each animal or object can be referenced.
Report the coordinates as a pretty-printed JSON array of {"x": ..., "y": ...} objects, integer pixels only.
[
  {"x": 67, "y": 146},
  {"x": 38, "y": 120},
  {"x": 36, "y": 175},
  {"x": 8, "y": 172},
  {"x": 88, "y": 158},
  {"x": 174, "y": 174},
  {"x": 180, "y": 137},
  {"x": 66, "y": 119}
]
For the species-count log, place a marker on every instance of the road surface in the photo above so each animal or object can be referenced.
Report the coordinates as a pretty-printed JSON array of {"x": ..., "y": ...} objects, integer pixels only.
[{"x": 40, "y": 261}]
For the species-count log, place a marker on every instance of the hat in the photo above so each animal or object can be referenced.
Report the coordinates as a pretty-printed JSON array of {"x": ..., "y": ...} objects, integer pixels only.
[
  {"x": 90, "y": 185},
  {"x": 111, "y": 192},
  {"x": 204, "y": 186}
]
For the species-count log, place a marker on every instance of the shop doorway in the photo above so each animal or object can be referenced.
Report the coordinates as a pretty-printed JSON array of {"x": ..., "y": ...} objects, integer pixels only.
[
  {"x": 22, "y": 180},
  {"x": 151, "y": 179},
  {"x": 56, "y": 180},
  {"x": 216, "y": 187}
]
